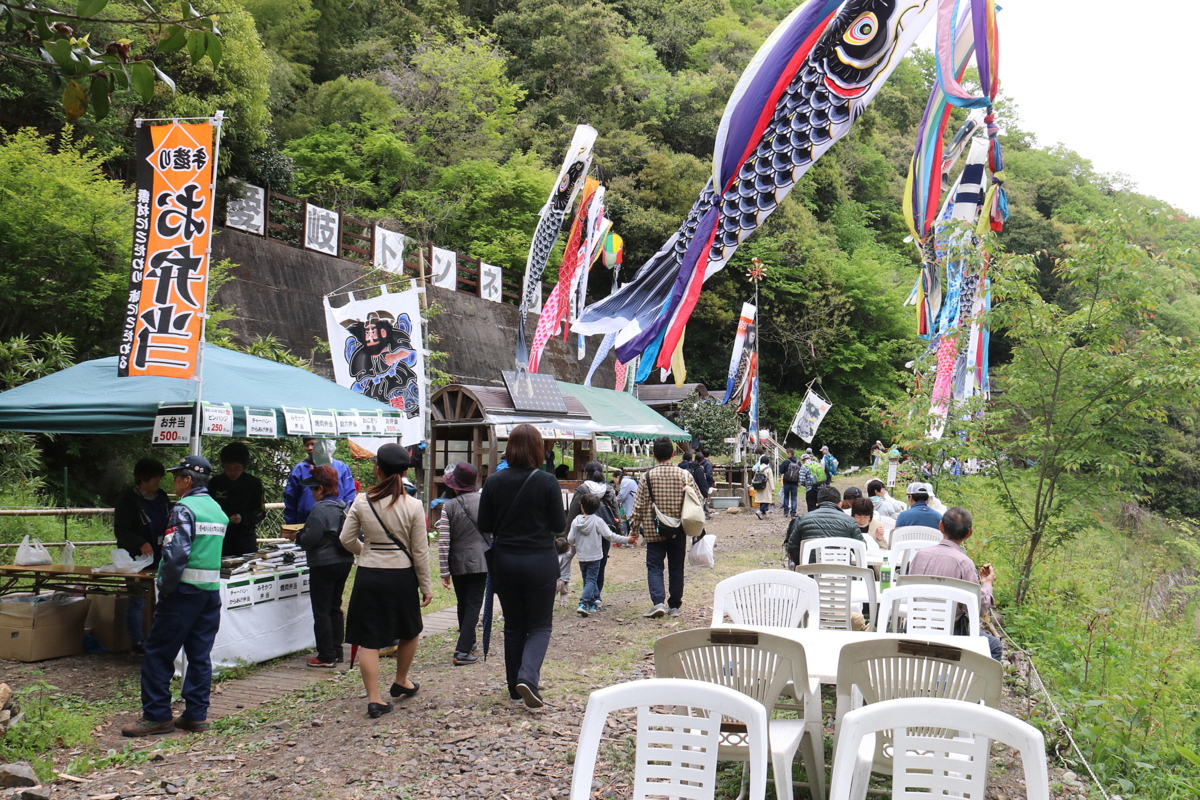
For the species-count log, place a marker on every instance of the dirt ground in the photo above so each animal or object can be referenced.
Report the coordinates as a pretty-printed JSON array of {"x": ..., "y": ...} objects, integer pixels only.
[{"x": 460, "y": 736}]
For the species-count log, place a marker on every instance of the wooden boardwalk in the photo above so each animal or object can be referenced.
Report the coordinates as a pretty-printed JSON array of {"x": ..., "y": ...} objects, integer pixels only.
[{"x": 236, "y": 696}]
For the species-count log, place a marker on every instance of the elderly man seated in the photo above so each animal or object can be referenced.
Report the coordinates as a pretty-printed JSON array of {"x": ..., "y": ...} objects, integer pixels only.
[{"x": 948, "y": 559}]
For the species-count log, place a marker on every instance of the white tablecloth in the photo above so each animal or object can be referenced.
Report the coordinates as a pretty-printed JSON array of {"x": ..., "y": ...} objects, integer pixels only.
[{"x": 251, "y": 634}]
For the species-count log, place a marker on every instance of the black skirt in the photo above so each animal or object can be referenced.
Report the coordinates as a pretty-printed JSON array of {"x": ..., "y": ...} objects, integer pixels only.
[{"x": 385, "y": 607}]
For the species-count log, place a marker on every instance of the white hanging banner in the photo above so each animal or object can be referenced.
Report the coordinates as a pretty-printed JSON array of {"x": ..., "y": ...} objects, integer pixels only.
[
  {"x": 376, "y": 349},
  {"x": 260, "y": 423},
  {"x": 321, "y": 231},
  {"x": 172, "y": 425},
  {"x": 491, "y": 282},
  {"x": 348, "y": 424},
  {"x": 297, "y": 421},
  {"x": 217, "y": 421},
  {"x": 247, "y": 213},
  {"x": 389, "y": 250},
  {"x": 809, "y": 416},
  {"x": 445, "y": 268},
  {"x": 324, "y": 422},
  {"x": 370, "y": 423}
]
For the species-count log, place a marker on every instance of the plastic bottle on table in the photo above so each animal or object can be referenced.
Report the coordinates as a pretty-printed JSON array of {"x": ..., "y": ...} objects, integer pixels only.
[{"x": 885, "y": 574}]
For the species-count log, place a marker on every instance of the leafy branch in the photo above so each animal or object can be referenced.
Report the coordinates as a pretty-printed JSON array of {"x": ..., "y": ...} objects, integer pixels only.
[{"x": 38, "y": 36}]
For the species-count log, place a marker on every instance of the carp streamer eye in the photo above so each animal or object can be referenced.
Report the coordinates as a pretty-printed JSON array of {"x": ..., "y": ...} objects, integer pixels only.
[{"x": 862, "y": 30}]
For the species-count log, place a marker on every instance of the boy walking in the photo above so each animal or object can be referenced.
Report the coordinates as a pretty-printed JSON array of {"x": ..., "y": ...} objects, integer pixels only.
[{"x": 587, "y": 532}]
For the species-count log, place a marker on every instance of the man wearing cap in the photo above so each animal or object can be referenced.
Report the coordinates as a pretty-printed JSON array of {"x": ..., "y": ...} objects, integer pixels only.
[
  {"x": 298, "y": 500},
  {"x": 189, "y": 606},
  {"x": 829, "y": 464},
  {"x": 240, "y": 496},
  {"x": 461, "y": 549},
  {"x": 919, "y": 512}
]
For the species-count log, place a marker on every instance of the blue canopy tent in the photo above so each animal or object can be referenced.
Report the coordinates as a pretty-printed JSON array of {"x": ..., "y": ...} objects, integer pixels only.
[{"x": 90, "y": 398}]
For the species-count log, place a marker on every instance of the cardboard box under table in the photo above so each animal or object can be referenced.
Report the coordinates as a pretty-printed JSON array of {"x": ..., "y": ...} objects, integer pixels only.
[{"x": 37, "y": 627}]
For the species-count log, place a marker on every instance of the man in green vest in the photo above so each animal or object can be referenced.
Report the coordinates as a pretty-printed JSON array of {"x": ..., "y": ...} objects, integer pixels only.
[{"x": 188, "y": 613}]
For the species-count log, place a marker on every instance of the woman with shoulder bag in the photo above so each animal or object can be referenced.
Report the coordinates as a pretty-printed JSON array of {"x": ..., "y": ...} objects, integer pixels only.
[
  {"x": 461, "y": 549},
  {"x": 521, "y": 507},
  {"x": 393, "y": 566},
  {"x": 328, "y": 565}
]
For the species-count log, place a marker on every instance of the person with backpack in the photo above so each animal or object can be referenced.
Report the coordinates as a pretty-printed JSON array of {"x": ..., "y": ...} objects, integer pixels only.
[
  {"x": 460, "y": 554},
  {"x": 793, "y": 472},
  {"x": 660, "y": 494},
  {"x": 763, "y": 483},
  {"x": 817, "y": 472},
  {"x": 829, "y": 463},
  {"x": 328, "y": 565},
  {"x": 609, "y": 512}
]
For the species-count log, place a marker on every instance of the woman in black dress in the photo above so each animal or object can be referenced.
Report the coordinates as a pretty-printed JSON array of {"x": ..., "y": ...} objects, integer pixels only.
[
  {"x": 393, "y": 566},
  {"x": 521, "y": 508}
]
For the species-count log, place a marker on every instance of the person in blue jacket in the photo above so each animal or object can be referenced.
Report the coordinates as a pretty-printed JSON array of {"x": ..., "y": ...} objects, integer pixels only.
[{"x": 298, "y": 500}]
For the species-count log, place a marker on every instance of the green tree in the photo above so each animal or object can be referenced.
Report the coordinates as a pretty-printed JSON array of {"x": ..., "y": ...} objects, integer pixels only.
[
  {"x": 710, "y": 422},
  {"x": 1086, "y": 374},
  {"x": 87, "y": 72},
  {"x": 65, "y": 238}
]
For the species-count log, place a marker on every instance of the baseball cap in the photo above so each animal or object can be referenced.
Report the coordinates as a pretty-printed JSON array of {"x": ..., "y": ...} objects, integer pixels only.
[
  {"x": 825, "y": 449},
  {"x": 196, "y": 464},
  {"x": 853, "y": 493},
  {"x": 919, "y": 488}
]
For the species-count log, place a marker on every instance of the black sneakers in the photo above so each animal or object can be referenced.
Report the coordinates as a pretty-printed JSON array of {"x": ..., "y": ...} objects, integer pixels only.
[
  {"x": 530, "y": 695},
  {"x": 463, "y": 659}
]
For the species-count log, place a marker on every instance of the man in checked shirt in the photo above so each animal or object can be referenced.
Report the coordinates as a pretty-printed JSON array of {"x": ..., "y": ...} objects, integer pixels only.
[{"x": 662, "y": 486}]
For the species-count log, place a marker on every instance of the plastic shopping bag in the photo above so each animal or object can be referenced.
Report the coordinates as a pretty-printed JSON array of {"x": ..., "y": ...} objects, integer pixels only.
[
  {"x": 703, "y": 552},
  {"x": 32, "y": 553},
  {"x": 123, "y": 562}
]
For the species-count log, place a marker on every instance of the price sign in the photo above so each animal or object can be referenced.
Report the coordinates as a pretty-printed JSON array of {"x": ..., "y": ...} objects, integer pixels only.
[
  {"x": 347, "y": 423},
  {"x": 260, "y": 423},
  {"x": 217, "y": 420},
  {"x": 392, "y": 423},
  {"x": 324, "y": 422},
  {"x": 370, "y": 423},
  {"x": 172, "y": 425},
  {"x": 297, "y": 421},
  {"x": 604, "y": 444}
]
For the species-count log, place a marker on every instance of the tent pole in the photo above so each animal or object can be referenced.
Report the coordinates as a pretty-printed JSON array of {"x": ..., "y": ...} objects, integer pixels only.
[
  {"x": 430, "y": 443},
  {"x": 195, "y": 448}
]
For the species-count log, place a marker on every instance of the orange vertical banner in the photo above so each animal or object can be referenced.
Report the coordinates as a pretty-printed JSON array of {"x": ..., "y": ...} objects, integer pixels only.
[{"x": 168, "y": 282}]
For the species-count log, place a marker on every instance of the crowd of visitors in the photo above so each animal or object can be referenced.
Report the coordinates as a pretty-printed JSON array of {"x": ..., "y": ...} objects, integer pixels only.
[{"x": 512, "y": 531}]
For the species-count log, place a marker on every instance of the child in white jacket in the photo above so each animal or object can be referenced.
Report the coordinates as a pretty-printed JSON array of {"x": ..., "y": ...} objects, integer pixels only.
[{"x": 587, "y": 532}]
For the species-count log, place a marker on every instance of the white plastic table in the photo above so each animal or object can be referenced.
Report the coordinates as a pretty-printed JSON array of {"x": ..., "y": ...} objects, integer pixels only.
[{"x": 823, "y": 648}]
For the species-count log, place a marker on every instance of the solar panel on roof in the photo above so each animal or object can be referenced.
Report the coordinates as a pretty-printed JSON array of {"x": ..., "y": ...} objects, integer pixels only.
[{"x": 533, "y": 392}]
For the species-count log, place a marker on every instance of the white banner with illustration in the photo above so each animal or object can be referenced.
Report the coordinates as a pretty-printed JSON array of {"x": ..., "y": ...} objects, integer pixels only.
[
  {"x": 809, "y": 416},
  {"x": 376, "y": 349}
]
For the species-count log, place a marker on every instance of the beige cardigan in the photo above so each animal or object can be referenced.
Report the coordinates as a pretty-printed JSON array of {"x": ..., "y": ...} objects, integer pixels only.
[{"x": 406, "y": 520}]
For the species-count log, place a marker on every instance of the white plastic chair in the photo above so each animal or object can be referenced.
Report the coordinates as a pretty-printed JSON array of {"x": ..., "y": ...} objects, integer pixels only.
[
  {"x": 928, "y": 609},
  {"x": 676, "y": 751},
  {"x": 763, "y": 666},
  {"x": 835, "y": 550},
  {"x": 938, "y": 580},
  {"x": 776, "y": 597},
  {"x": 835, "y": 582},
  {"x": 902, "y": 552},
  {"x": 916, "y": 533},
  {"x": 946, "y": 761},
  {"x": 877, "y": 670}
]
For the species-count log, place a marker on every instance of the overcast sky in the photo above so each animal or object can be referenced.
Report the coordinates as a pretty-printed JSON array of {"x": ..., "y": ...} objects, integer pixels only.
[{"x": 1115, "y": 82}]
